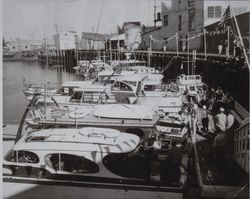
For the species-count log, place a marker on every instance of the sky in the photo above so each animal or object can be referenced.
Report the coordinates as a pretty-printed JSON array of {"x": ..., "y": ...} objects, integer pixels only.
[
  {"x": 27, "y": 18},
  {"x": 33, "y": 19}
]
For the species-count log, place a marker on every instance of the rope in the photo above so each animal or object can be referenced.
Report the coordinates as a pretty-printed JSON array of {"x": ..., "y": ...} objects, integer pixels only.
[{"x": 169, "y": 64}]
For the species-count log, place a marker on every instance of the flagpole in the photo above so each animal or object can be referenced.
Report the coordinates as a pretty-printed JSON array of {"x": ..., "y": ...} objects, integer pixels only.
[
  {"x": 205, "y": 43},
  {"x": 228, "y": 41},
  {"x": 241, "y": 41},
  {"x": 177, "y": 45}
]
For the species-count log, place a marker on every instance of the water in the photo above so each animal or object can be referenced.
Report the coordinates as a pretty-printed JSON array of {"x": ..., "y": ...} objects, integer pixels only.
[{"x": 14, "y": 102}]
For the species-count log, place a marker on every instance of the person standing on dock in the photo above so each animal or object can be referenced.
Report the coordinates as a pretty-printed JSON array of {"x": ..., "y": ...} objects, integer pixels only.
[
  {"x": 220, "y": 47},
  {"x": 219, "y": 150},
  {"x": 221, "y": 121},
  {"x": 204, "y": 118}
]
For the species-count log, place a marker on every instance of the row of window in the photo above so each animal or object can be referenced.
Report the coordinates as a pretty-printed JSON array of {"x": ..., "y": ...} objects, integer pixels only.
[
  {"x": 191, "y": 20},
  {"x": 214, "y": 11}
]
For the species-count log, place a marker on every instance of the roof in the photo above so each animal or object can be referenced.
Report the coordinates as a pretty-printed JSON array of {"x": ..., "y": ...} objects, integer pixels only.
[
  {"x": 93, "y": 88},
  {"x": 127, "y": 111},
  {"x": 116, "y": 37},
  {"x": 137, "y": 23},
  {"x": 76, "y": 83},
  {"x": 131, "y": 77},
  {"x": 147, "y": 30},
  {"x": 87, "y": 139},
  {"x": 94, "y": 36}
]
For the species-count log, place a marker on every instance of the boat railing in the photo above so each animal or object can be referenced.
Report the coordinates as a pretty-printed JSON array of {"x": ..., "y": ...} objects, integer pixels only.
[
  {"x": 50, "y": 85},
  {"x": 241, "y": 145}
]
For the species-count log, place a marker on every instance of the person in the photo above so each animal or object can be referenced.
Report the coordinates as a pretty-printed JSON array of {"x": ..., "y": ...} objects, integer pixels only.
[
  {"x": 220, "y": 47},
  {"x": 221, "y": 121},
  {"x": 172, "y": 163},
  {"x": 219, "y": 93},
  {"x": 219, "y": 150},
  {"x": 204, "y": 120},
  {"x": 154, "y": 165},
  {"x": 230, "y": 133}
]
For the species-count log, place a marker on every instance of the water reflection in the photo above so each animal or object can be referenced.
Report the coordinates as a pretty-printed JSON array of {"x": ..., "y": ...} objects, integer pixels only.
[{"x": 13, "y": 74}]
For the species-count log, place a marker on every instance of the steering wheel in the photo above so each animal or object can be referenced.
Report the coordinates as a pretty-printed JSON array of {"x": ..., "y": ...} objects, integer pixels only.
[{"x": 29, "y": 159}]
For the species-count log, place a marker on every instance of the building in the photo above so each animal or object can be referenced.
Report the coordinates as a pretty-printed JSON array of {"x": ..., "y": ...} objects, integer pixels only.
[
  {"x": 132, "y": 35},
  {"x": 183, "y": 19},
  {"x": 215, "y": 36},
  {"x": 127, "y": 37},
  {"x": 66, "y": 40},
  {"x": 20, "y": 45},
  {"x": 92, "y": 41},
  {"x": 117, "y": 41},
  {"x": 214, "y": 9}
]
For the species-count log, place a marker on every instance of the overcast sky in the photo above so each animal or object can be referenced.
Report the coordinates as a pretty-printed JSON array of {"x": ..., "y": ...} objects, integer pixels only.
[{"x": 26, "y": 18}]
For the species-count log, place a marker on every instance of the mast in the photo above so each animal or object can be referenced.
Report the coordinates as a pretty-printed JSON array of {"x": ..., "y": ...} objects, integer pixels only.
[
  {"x": 46, "y": 70},
  {"x": 155, "y": 14}
]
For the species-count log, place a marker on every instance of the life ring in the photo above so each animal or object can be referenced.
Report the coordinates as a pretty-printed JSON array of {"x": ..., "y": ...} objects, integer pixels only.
[{"x": 79, "y": 113}]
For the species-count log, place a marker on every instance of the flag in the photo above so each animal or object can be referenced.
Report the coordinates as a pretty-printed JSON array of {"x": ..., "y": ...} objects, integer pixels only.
[{"x": 226, "y": 17}]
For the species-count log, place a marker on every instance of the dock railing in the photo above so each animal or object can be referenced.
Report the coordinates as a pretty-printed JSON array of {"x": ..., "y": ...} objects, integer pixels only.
[
  {"x": 241, "y": 145},
  {"x": 241, "y": 136}
]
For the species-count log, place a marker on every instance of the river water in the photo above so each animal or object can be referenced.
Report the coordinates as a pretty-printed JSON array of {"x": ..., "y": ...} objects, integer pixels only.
[{"x": 14, "y": 102}]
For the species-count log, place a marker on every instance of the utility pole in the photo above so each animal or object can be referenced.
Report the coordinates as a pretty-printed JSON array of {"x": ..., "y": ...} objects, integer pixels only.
[
  {"x": 155, "y": 14},
  {"x": 205, "y": 43}
]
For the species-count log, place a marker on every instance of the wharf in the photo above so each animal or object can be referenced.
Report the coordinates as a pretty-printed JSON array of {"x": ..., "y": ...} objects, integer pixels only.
[{"x": 224, "y": 181}]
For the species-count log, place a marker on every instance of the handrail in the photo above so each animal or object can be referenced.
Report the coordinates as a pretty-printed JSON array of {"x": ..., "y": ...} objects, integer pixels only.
[
  {"x": 243, "y": 124},
  {"x": 243, "y": 112}
]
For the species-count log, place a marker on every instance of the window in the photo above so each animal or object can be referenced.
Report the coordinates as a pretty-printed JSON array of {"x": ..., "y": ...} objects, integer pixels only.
[
  {"x": 180, "y": 22},
  {"x": 217, "y": 11},
  {"x": 11, "y": 156},
  {"x": 214, "y": 12},
  {"x": 210, "y": 12},
  {"x": 71, "y": 163},
  {"x": 27, "y": 157},
  {"x": 165, "y": 20},
  {"x": 191, "y": 20},
  {"x": 190, "y": 3},
  {"x": 76, "y": 97}
]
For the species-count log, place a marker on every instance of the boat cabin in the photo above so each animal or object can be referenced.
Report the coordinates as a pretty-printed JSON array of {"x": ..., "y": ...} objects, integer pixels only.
[
  {"x": 98, "y": 154},
  {"x": 71, "y": 151}
]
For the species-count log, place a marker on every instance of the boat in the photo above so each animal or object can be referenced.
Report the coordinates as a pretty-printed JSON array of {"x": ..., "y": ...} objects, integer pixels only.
[
  {"x": 124, "y": 117},
  {"x": 65, "y": 89},
  {"x": 190, "y": 83},
  {"x": 174, "y": 127},
  {"x": 82, "y": 68},
  {"x": 70, "y": 151},
  {"x": 94, "y": 154},
  {"x": 90, "y": 94}
]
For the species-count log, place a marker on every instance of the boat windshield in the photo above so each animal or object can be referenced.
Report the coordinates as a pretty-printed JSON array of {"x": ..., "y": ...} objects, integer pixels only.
[{"x": 70, "y": 163}]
